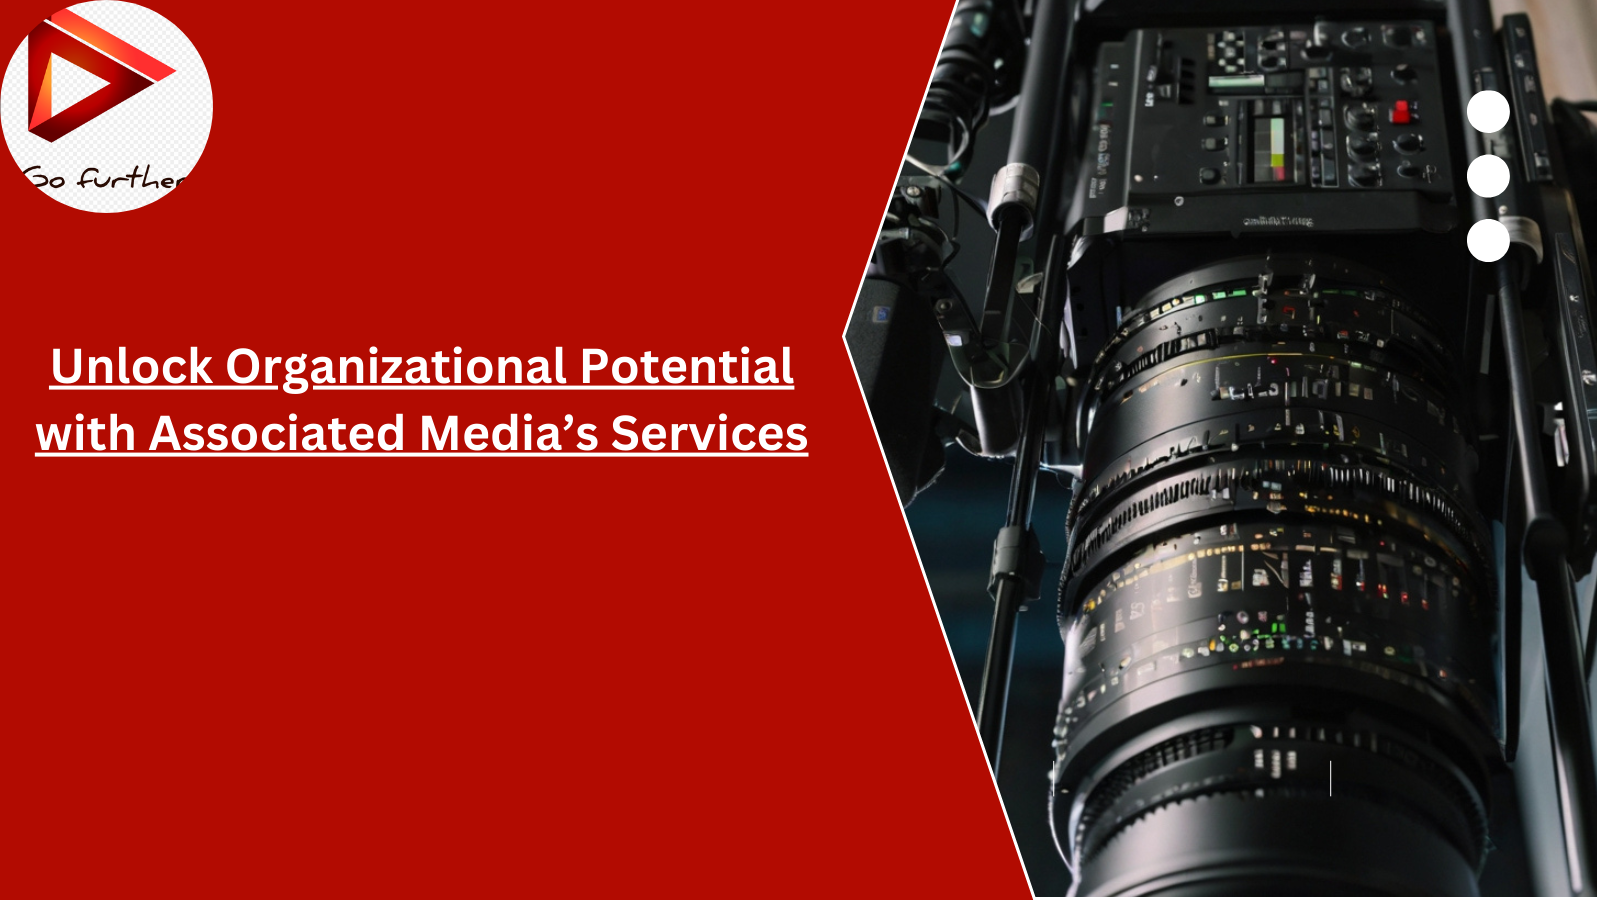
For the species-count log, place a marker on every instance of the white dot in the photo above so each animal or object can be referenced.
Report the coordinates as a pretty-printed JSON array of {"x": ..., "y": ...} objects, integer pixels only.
[
  {"x": 1488, "y": 176},
  {"x": 1488, "y": 240},
  {"x": 1488, "y": 111}
]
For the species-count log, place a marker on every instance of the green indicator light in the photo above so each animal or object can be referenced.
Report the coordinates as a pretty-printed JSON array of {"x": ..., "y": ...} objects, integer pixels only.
[
  {"x": 1218, "y": 295},
  {"x": 1239, "y": 293}
]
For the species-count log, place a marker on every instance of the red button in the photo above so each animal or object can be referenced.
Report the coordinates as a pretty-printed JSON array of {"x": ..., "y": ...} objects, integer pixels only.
[{"x": 1402, "y": 113}]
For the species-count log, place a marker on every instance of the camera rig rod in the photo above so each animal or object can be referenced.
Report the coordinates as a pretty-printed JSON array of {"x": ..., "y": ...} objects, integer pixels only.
[
  {"x": 1002, "y": 268},
  {"x": 1545, "y": 554},
  {"x": 1018, "y": 564},
  {"x": 1018, "y": 207},
  {"x": 1543, "y": 539}
]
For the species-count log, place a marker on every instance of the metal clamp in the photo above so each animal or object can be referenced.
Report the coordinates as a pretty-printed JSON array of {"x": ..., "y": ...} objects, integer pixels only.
[
  {"x": 1017, "y": 555},
  {"x": 1016, "y": 186},
  {"x": 1525, "y": 231}
]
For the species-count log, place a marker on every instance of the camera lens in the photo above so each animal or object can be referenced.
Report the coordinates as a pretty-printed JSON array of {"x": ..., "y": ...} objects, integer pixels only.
[{"x": 1277, "y": 604}]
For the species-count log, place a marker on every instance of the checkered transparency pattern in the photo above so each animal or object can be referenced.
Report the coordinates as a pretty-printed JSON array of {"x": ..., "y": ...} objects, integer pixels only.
[{"x": 164, "y": 127}]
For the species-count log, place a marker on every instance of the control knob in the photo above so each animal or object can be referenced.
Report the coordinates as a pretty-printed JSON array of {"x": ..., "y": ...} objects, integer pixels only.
[
  {"x": 1361, "y": 117},
  {"x": 1355, "y": 82},
  {"x": 1408, "y": 143},
  {"x": 1365, "y": 174},
  {"x": 1362, "y": 146}
]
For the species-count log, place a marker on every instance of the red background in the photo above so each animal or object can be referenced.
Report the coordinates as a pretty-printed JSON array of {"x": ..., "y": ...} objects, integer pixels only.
[{"x": 468, "y": 676}]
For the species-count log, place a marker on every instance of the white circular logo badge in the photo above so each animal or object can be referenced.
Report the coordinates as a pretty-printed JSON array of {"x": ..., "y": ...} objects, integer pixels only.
[{"x": 106, "y": 106}]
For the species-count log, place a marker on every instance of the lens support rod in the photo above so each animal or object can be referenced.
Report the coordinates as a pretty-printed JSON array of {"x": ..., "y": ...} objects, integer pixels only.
[
  {"x": 1543, "y": 539},
  {"x": 1018, "y": 563},
  {"x": 1544, "y": 543}
]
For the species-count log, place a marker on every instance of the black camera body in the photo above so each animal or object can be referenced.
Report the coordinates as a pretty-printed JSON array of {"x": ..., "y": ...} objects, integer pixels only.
[
  {"x": 1312, "y": 443},
  {"x": 1326, "y": 127}
]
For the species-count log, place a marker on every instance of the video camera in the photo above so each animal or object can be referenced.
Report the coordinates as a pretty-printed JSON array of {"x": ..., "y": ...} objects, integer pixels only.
[{"x": 1296, "y": 300}]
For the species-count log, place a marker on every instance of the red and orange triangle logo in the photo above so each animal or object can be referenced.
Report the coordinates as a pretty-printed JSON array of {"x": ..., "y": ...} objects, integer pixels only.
[{"x": 126, "y": 69}]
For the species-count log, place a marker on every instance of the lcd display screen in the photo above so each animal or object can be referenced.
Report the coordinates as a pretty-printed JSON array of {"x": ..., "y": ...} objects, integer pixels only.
[{"x": 1270, "y": 150}]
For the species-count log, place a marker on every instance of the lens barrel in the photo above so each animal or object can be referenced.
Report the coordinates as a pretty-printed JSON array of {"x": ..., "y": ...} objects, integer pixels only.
[{"x": 1278, "y": 602}]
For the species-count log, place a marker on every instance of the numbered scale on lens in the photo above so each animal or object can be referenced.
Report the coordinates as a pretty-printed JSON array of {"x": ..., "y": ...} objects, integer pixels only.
[{"x": 1274, "y": 567}]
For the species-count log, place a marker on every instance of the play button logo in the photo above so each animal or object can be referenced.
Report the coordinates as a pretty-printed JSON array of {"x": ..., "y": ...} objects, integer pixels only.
[
  {"x": 68, "y": 83},
  {"x": 106, "y": 106},
  {"x": 126, "y": 69}
]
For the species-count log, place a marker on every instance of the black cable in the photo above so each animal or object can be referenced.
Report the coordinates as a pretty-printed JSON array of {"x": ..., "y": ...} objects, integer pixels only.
[
  {"x": 958, "y": 151},
  {"x": 1021, "y": 22},
  {"x": 955, "y": 221},
  {"x": 972, "y": 201}
]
